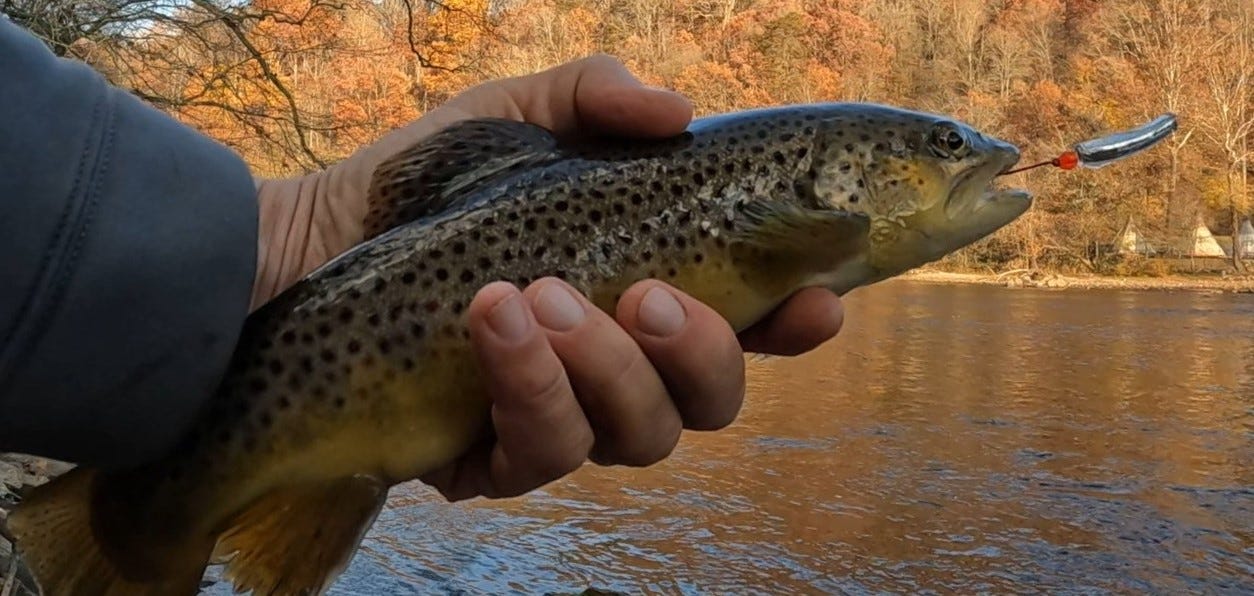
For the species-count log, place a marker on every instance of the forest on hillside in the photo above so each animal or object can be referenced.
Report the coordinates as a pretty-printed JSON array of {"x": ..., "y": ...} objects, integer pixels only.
[{"x": 297, "y": 84}]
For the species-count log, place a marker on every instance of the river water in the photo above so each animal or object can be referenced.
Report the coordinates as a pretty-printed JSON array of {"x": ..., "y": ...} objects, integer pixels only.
[{"x": 952, "y": 439}]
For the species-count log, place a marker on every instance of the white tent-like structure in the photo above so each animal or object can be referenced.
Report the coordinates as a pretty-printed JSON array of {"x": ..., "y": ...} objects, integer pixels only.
[
  {"x": 1245, "y": 239},
  {"x": 1130, "y": 241},
  {"x": 1201, "y": 243}
]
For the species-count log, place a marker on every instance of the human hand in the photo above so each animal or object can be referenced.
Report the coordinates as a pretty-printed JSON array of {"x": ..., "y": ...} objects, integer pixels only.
[{"x": 569, "y": 382}]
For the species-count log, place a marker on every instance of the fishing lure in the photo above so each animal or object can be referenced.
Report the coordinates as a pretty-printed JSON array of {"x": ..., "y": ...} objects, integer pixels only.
[{"x": 1103, "y": 151}]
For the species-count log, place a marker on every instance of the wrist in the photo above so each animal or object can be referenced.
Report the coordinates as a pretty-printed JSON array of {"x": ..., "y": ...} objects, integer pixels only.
[{"x": 303, "y": 221}]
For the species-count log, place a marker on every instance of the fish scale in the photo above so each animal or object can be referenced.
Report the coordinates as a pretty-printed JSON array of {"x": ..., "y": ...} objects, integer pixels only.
[{"x": 362, "y": 375}]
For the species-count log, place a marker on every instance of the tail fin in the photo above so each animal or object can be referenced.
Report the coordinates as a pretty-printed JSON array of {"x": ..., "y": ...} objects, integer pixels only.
[
  {"x": 53, "y": 527},
  {"x": 297, "y": 540}
]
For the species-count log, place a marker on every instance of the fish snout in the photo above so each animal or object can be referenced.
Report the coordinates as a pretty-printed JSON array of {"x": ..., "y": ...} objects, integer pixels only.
[{"x": 1003, "y": 153}]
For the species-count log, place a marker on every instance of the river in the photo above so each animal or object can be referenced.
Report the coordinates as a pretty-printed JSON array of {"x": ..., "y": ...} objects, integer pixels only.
[{"x": 952, "y": 439}]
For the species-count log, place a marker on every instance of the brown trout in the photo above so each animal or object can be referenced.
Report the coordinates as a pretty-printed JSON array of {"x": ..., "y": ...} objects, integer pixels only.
[{"x": 361, "y": 376}]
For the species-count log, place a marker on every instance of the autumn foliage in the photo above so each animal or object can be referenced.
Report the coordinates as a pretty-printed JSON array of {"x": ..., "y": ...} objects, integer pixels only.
[{"x": 297, "y": 84}]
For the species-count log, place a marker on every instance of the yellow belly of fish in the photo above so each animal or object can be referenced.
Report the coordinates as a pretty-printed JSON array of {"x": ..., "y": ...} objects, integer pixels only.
[
  {"x": 414, "y": 422},
  {"x": 742, "y": 296},
  {"x": 410, "y": 425}
]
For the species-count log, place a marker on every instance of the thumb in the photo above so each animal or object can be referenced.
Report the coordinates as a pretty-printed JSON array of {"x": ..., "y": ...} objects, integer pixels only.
[{"x": 598, "y": 95}]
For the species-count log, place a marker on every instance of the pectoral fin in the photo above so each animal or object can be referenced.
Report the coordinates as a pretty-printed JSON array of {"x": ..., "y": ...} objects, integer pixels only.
[{"x": 798, "y": 237}]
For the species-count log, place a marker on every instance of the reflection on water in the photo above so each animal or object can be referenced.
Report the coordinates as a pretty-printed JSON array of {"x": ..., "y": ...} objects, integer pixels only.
[{"x": 952, "y": 439}]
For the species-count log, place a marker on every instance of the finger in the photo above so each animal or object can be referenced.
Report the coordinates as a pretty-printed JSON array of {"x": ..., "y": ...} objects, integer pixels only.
[
  {"x": 806, "y": 320},
  {"x": 541, "y": 432},
  {"x": 609, "y": 99},
  {"x": 633, "y": 420},
  {"x": 693, "y": 348},
  {"x": 598, "y": 95}
]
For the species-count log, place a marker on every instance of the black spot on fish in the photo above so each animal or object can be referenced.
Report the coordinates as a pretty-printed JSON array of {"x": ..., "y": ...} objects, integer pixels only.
[
  {"x": 354, "y": 346},
  {"x": 441, "y": 274}
]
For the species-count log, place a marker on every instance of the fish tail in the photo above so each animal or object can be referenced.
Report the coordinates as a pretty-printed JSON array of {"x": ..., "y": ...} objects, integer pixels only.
[
  {"x": 55, "y": 531},
  {"x": 298, "y": 539}
]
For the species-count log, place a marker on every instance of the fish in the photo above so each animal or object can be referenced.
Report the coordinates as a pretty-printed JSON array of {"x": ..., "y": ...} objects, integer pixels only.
[{"x": 361, "y": 376}]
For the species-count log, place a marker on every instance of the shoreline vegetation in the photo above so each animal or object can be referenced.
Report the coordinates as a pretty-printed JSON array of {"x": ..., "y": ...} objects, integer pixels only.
[{"x": 1023, "y": 278}]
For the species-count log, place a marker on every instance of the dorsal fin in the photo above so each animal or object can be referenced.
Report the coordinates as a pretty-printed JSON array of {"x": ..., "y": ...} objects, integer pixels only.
[{"x": 430, "y": 176}]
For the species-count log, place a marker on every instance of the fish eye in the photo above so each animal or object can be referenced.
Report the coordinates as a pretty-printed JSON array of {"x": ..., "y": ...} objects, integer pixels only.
[{"x": 948, "y": 141}]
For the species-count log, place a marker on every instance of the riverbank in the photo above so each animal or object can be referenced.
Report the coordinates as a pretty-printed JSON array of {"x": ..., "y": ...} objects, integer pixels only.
[
  {"x": 17, "y": 473},
  {"x": 1024, "y": 279}
]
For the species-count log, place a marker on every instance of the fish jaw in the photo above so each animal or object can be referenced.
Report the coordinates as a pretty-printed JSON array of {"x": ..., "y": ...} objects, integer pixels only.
[{"x": 974, "y": 208}]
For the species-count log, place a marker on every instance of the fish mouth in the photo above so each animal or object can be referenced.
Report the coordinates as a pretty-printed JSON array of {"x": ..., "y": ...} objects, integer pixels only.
[{"x": 973, "y": 191}]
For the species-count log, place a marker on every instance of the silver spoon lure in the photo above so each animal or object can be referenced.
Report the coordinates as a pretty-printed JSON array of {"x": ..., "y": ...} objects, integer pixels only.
[{"x": 1105, "y": 150}]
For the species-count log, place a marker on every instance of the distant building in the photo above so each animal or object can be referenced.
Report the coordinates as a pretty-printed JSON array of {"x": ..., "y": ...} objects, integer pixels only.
[
  {"x": 1131, "y": 241},
  {"x": 1201, "y": 243},
  {"x": 1245, "y": 239}
]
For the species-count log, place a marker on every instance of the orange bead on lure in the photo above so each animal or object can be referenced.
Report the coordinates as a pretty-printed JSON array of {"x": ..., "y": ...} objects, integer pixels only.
[{"x": 1095, "y": 153}]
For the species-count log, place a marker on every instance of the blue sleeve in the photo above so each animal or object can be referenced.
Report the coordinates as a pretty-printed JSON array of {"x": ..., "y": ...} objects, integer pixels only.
[{"x": 127, "y": 254}]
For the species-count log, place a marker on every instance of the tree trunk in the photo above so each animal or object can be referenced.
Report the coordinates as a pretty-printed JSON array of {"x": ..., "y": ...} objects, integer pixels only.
[{"x": 1235, "y": 213}]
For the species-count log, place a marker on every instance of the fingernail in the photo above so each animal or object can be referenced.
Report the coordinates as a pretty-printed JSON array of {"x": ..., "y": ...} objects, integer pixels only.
[
  {"x": 556, "y": 309},
  {"x": 508, "y": 319},
  {"x": 660, "y": 313}
]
